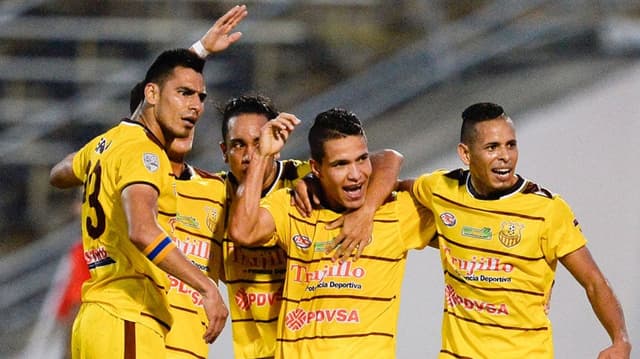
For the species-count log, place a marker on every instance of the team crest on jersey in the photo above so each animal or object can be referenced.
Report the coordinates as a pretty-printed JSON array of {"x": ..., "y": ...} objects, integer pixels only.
[
  {"x": 448, "y": 218},
  {"x": 211, "y": 217},
  {"x": 301, "y": 241},
  {"x": 151, "y": 161},
  {"x": 510, "y": 234}
]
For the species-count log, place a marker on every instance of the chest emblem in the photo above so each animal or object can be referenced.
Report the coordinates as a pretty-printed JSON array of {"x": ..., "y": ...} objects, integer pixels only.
[{"x": 510, "y": 234}]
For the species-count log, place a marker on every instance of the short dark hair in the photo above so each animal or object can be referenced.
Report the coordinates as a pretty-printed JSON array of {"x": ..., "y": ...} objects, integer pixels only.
[
  {"x": 161, "y": 68},
  {"x": 168, "y": 60},
  {"x": 482, "y": 111},
  {"x": 332, "y": 124},
  {"x": 258, "y": 104},
  {"x": 136, "y": 96}
]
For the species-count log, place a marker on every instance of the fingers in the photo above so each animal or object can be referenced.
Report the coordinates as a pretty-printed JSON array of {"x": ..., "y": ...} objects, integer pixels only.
[
  {"x": 216, "y": 324},
  {"x": 286, "y": 121},
  {"x": 302, "y": 203},
  {"x": 232, "y": 17},
  {"x": 335, "y": 224}
]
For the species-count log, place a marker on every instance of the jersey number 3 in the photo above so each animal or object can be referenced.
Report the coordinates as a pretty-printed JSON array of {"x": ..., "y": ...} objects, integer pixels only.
[{"x": 91, "y": 192}]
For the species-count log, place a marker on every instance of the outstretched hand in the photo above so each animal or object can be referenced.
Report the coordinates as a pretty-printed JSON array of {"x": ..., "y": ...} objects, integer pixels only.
[
  {"x": 218, "y": 37},
  {"x": 274, "y": 133},
  {"x": 357, "y": 228}
]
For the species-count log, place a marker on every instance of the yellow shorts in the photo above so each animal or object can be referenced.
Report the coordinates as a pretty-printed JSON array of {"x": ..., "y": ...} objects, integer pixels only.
[{"x": 98, "y": 334}]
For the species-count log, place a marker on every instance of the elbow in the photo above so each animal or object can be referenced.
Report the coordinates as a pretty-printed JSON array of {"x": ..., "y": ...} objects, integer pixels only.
[
  {"x": 239, "y": 235},
  {"x": 394, "y": 155}
]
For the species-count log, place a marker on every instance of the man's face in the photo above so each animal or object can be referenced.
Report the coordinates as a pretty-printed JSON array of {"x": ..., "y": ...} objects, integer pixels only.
[
  {"x": 243, "y": 137},
  {"x": 344, "y": 172},
  {"x": 180, "y": 102},
  {"x": 492, "y": 156}
]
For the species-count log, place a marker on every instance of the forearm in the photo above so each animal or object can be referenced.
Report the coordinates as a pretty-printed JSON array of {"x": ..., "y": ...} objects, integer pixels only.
[
  {"x": 386, "y": 169},
  {"x": 608, "y": 310},
  {"x": 244, "y": 212},
  {"x": 62, "y": 176},
  {"x": 176, "y": 264}
]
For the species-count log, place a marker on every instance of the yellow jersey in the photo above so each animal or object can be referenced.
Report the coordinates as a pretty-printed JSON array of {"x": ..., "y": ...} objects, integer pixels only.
[
  {"x": 255, "y": 276},
  {"x": 123, "y": 281},
  {"x": 499, "y": 258},
  {"x": 349, "y": 309},
  {"x": 200, "y": 210}
]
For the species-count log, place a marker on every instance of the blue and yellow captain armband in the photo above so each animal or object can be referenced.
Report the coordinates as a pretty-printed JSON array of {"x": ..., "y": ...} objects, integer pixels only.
[{"x": 157, "y": 250}]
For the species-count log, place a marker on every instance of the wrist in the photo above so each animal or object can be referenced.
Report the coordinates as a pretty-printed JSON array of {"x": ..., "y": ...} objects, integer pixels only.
[{"x": 200, "y": 50}]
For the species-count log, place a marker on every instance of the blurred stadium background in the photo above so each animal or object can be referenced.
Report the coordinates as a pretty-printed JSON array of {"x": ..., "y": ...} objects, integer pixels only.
[{"x": 568, "y": 72}]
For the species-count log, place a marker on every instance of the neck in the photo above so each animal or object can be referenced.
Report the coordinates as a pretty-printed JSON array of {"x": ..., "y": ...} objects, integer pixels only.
[{"x": 151, "y": 124}]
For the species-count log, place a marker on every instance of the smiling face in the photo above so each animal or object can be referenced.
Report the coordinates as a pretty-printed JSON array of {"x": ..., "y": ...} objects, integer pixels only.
[
  {"x": 344, "y": 172},
  {"x": 492, "y": 155},
  {"x": 242, "y": 140},
  {"x": 178, "y": 102}
]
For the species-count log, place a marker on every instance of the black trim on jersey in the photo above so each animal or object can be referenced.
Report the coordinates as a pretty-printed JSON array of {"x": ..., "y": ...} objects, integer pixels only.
[
  {"x": 495, "y": 195},
  {"x": 338, "y": 336},
  {"x": 141, "y": 182},
  {"x": 536, "y": 189},
  {"x": 494, "y": 325},
  {"x": 165, "y": 325},
  {"x": 270, "y": 320},
  {"x": 290, "y": 171}
]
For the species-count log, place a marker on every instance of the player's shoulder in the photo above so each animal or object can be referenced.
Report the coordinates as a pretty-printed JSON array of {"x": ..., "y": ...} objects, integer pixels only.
[
  {"x": 532, "y": 188},
  {"x": 204, "y": 174},
  {"x": 293, "y": 169}
]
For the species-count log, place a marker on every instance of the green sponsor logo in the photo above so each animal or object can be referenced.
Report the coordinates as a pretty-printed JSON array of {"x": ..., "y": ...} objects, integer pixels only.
[{"x": 479, "y": 233}]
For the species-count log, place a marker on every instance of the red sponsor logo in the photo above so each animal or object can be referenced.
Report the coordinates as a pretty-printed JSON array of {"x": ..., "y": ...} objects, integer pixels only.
[
  {"x": 454, "y": 299},
  {"x": 448, "y": 218},
  {"x": 180, "y": 287},
  {"x": 194, "y": 247},
  {"x": 301, "y": 241},
  {"x": 94, "y": 255},
  {"x": 245, "y": 300},
  {"x": 301, "y": 273},
  {"x": 298, "y": 318},
  {"x": 469, "y": 266}
]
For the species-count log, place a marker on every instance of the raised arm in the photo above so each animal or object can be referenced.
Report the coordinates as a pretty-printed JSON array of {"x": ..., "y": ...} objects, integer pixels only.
[
  {"x": 603, "y": 301},
  {"x": 249, "y": 224},
  {"x": 140, "y": 206},
  {"x": 62, "y": 176},
  {"x": 357, "y": 225},
  {"x": 219, "y": 37}
]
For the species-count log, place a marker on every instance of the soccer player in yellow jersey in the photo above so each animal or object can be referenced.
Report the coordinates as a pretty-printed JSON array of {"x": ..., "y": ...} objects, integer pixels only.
[
  {"x": 343, "y": 309},
  {"x": 199, "y": 212},
  {"x": 500, "y": 237},
  {"x": 126, "y": 173},
  {"x": 254, "y": 276}
]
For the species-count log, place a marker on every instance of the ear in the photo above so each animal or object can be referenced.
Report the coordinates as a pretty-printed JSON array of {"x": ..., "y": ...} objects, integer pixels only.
[
  {"x": 315, "y": 168},
  {"x": 152, "y": 93},
  {"x": 463, "y": 153},
  {"x": 223, "y": 148}
]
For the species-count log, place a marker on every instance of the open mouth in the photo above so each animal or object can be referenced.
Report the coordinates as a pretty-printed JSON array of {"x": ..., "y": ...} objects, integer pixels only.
[
  {"x": 353, "y": 191},
  {"x": 502, "y": 172}
]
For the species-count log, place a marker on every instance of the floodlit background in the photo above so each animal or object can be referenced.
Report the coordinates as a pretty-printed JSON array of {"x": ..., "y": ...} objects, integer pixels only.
[{"x": 568, "y": 73}]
